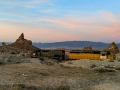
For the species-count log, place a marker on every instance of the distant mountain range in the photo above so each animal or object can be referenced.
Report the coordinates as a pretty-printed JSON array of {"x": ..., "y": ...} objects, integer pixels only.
[
  {"x": 71, "y": 44},
  {"x": 74, "y": 44}
]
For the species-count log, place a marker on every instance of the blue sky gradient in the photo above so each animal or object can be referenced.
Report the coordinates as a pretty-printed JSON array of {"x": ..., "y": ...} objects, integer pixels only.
[{"x": 60, "y": 20}]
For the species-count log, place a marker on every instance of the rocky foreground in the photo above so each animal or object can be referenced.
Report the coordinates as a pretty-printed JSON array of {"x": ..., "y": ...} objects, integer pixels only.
[
  {"x": 24, "y": 73},
  {"x": 20, "y": 72}
]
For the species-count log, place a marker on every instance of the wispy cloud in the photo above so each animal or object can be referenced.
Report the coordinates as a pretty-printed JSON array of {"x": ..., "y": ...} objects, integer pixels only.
[
  {"x": 102, "y": 26},
  {"x": 47, "y": 11},
  {"x": 61, "y": 22},
  {"x": 26, "y": 3}
]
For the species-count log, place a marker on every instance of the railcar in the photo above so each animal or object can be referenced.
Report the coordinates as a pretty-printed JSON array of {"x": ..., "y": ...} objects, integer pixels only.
[
  {"x": 93, "y": 55},
  {"x": 54, "y": 54}
]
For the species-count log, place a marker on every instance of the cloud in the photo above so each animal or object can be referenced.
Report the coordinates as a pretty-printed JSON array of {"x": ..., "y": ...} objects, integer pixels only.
[
  {"x": 102, "y": 26},
  {"x": 47, "y": 11},
  {"x": 61, "y": 21},
  {"x": 26, "y": 3},
  {"x": 36, "y": 34},
  {"x": 11, "y": 33},
  {"x": 21, "y": 9}
]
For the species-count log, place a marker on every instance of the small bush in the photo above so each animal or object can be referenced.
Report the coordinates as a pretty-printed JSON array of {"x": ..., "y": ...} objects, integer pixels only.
[
  {"x": 93, "y": 66},
  {"x": 103, "y": 70},
  {"x": 118, "y": 59},
  {"x": 108, "y": 66},
  {"x": 12, "y": 53},
  {"x": 17, "y": 62},
  {"x": 63, "y": 88},
  {"x": 18, "y": 86},
  {"x": 2, "y": 63},
  {"x": 44, "y": 74},
  {"x": 48, "y": 62},
  {"x": 63, "y": 66},
  {"x": 111, "y": 60},
  {"x": 118, "y": 68}
]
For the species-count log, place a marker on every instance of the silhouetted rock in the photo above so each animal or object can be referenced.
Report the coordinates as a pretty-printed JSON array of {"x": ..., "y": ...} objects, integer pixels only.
[
  {"x": 113, "y": 48},
  {"x": 22, "y": 43},
  {"x": 3, "y": 44}
]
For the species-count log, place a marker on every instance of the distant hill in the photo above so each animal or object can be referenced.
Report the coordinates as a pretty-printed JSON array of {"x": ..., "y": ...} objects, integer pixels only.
[
  {"x": 74, "y": 44},
  {"x": 71, "y": 44}
]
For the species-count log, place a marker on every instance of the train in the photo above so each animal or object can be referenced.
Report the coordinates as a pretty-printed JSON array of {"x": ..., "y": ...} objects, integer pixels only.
[
  {"x": 74, "y": 54},
  {"x": 53, "y": 54},
  {"x": 92, "y": 55}
]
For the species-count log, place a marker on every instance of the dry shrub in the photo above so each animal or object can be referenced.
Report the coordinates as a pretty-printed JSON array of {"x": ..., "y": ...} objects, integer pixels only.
[
  {"x": 118, "y": 59},
  {"x": 108, "y": 66},
  {"x": 103, "y": 70},
  {"x": 44, "y": 74},
  {"x": 18, "y": 86},
  {"x": 117, "y": 68},
  {"x": 111, "y": 60},
  {"x": 63, "y": 88},
  {"x": 93, "y": 66}
]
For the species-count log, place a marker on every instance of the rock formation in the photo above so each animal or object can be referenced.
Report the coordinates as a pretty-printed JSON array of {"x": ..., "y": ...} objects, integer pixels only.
[
  {"x": 113, "y": 48},
  {"x": 22, "y": 43},
  {"x": 87, "y": 48},
  {"x": 3, "y": 44}
]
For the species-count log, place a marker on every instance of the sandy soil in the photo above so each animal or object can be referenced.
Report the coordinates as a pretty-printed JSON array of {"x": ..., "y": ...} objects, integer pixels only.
[{"x": 76, "y": 75}]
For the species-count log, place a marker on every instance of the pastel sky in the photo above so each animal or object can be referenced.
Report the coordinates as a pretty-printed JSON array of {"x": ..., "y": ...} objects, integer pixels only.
[{"x": 60, "y": 20}]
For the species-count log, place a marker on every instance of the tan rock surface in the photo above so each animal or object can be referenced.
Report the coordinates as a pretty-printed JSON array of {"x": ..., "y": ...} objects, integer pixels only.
[
  {"x": 22, "y": 43},
  {"x": 113, "y": 48},
  {"x": 3, "y": 44}
]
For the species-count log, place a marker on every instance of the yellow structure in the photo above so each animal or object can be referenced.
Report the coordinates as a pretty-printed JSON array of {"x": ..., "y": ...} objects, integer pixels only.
[{"x": 94, "y": 55}]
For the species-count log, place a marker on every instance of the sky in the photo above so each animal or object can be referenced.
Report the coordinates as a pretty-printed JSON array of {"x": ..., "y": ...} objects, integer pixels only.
[{"x": 60, "y": 20}]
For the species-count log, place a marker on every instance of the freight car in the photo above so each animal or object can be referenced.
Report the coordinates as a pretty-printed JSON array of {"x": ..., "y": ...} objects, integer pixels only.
[
  {"x": 93, "y": 55},
  {"x": 54, "y": 54}
]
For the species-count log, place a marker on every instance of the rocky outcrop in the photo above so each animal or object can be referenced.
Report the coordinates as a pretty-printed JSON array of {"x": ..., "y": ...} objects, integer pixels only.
[
  {"x": 113, "y": 48},
  {"x": 87, "y": 48},
  {"x": 23, "y": 43},
  {"x": 3, "y": 44}
]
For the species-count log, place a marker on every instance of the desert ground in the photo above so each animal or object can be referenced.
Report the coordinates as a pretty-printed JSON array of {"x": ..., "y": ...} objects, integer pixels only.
[{"x": 24, "y": 73}]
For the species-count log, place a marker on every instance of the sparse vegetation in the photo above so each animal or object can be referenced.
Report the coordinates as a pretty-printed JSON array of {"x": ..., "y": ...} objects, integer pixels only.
[
  {"x": 118, "y": 59},
  {"x": 111, "y": 60},
  {"x": 2, "y": 63},
  {"x": 54, "y": 76},
  {"x": 63, "y": 88},
  {"x": 108, "y": 66},
  {"x": 18, "y": 86},
  {"x": 103, "y": 70},
  {"x": 93, "y": 66},
  {"x": 117, "y": 68},
  {"x": 44, "y": 74}
]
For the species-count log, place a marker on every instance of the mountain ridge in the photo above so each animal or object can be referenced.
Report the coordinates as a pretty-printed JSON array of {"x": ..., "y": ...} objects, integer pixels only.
[
  {"x": 70, "y": 44},
  {"x": 74, "y": 44}
]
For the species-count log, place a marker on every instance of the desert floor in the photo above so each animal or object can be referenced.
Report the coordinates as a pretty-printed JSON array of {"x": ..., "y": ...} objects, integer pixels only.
[{"x": 33, "y": 74}]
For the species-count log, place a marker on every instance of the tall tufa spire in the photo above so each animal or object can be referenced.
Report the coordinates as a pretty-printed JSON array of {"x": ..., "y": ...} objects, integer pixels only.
[{"x": 21, "y": 36}]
